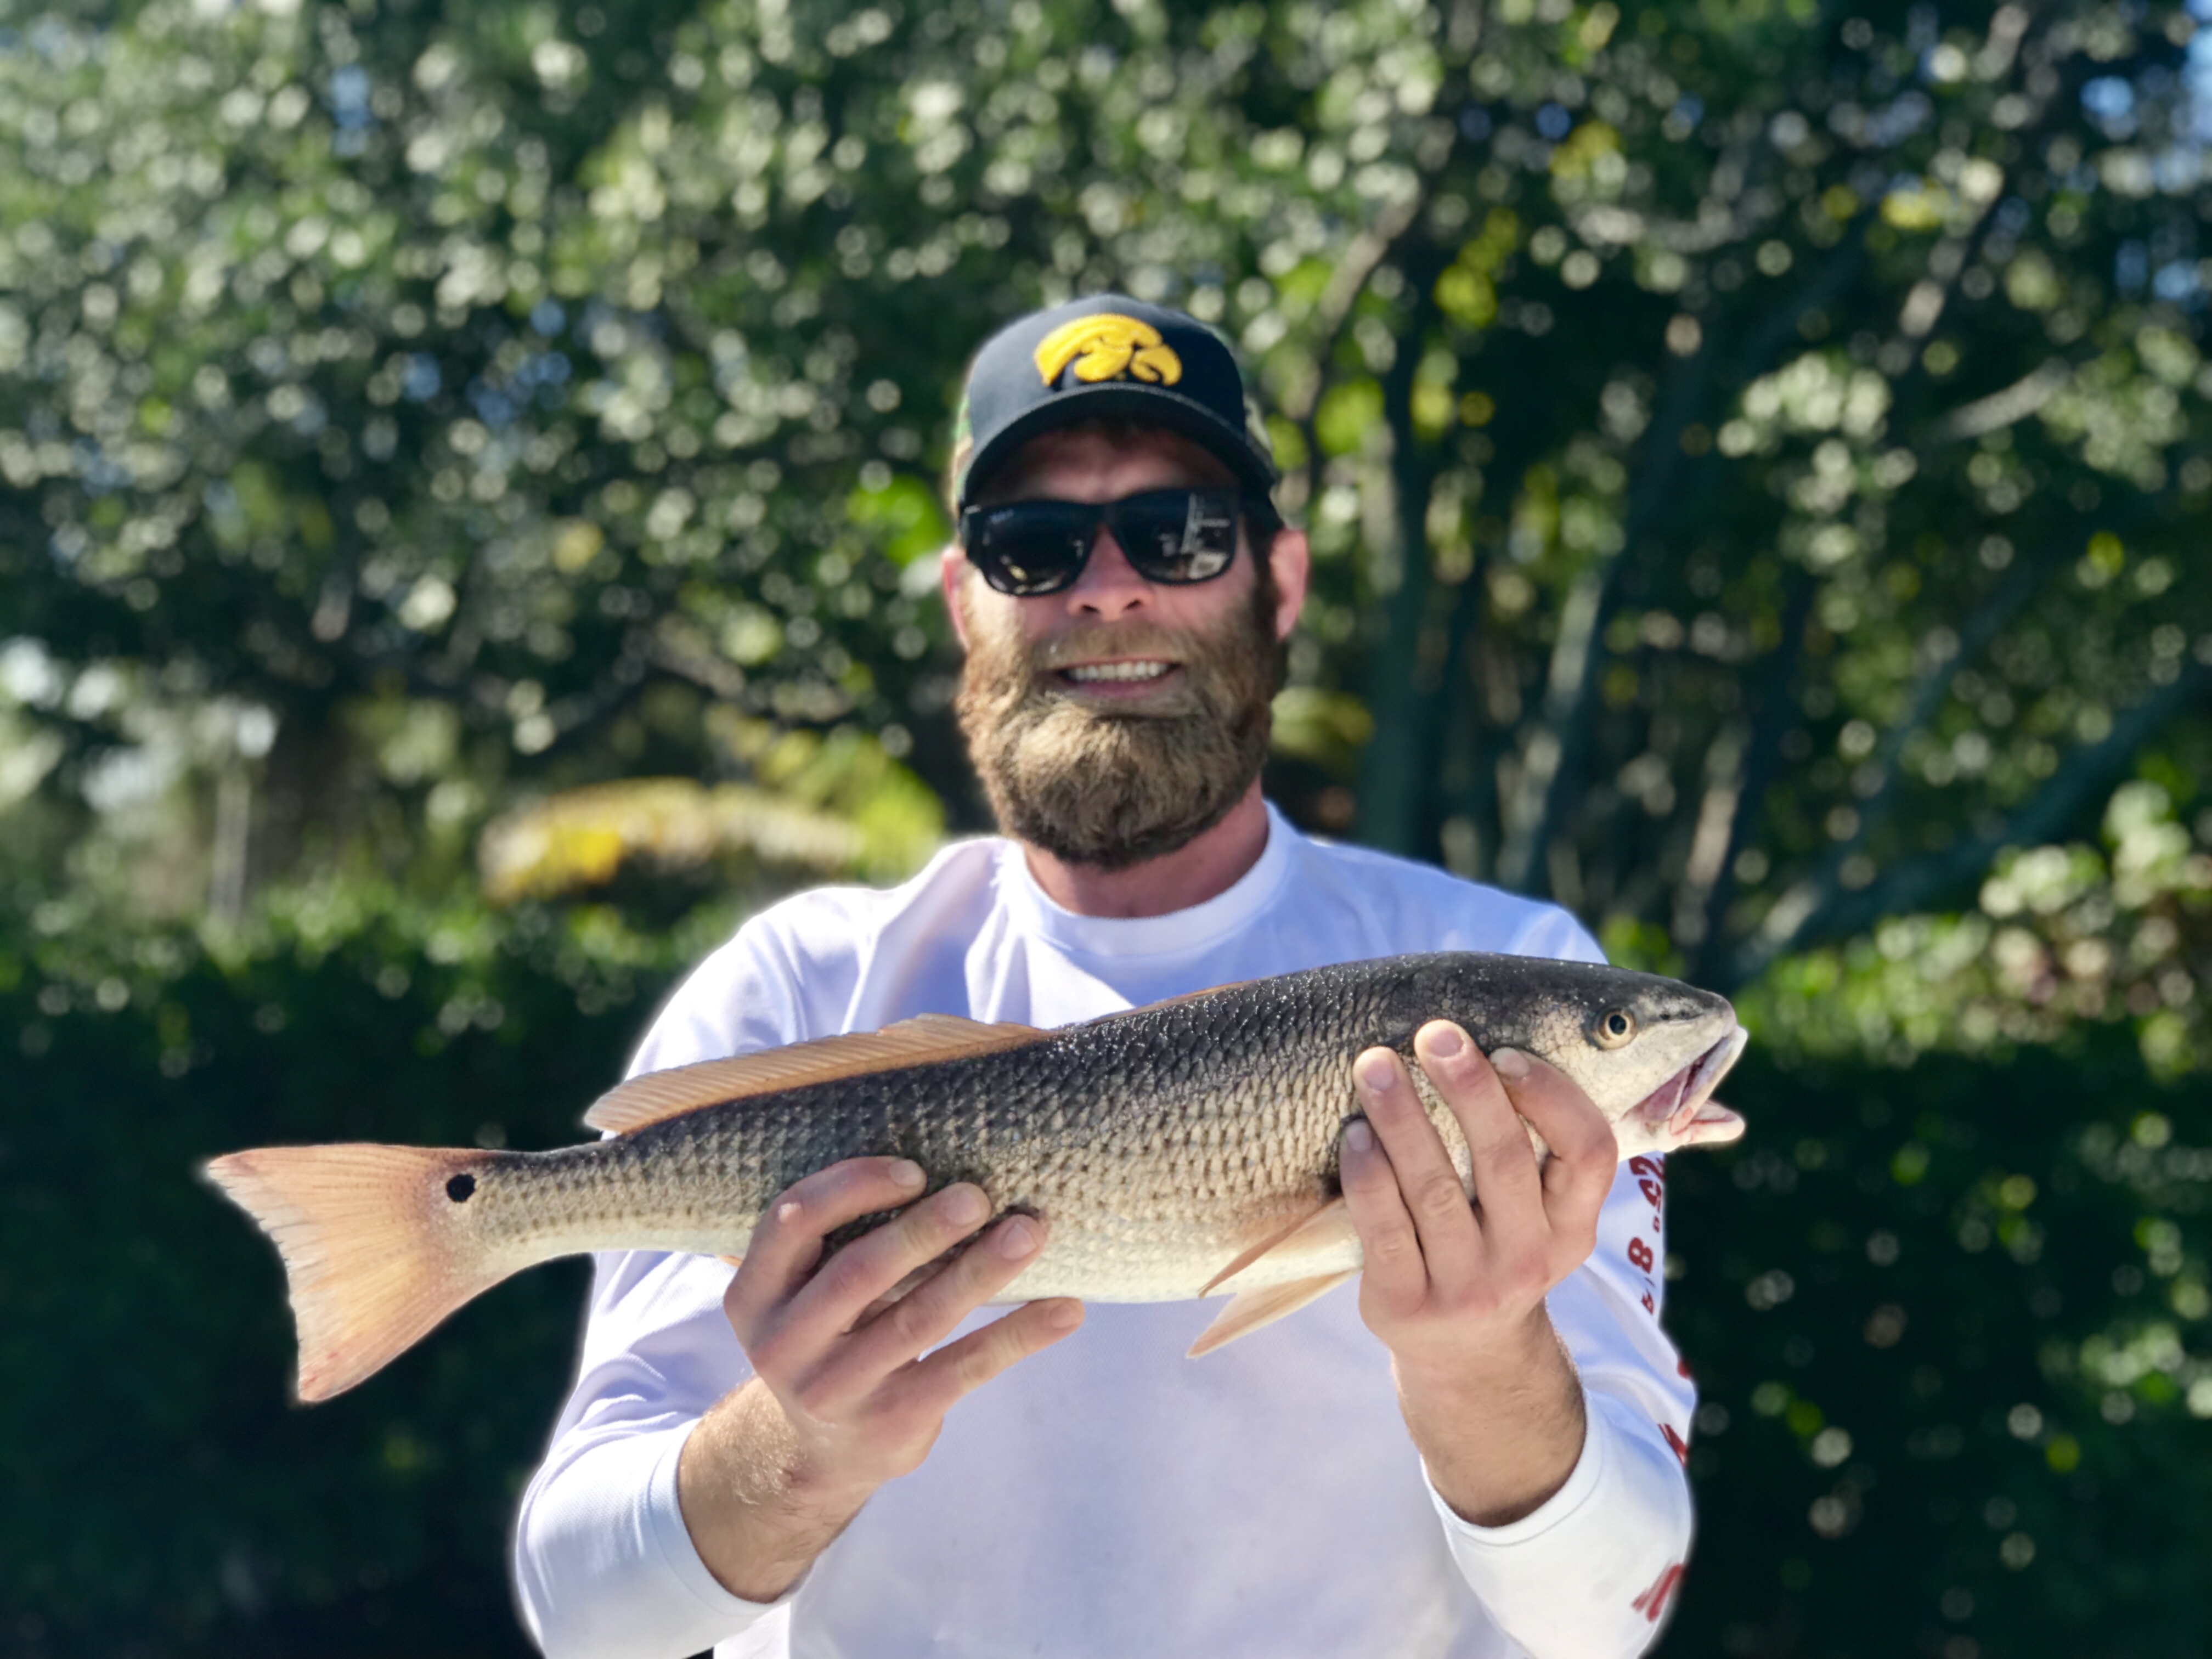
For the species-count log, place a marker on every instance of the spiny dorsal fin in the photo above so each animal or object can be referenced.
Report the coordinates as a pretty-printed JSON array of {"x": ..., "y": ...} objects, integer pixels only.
[
  {"x": 658, "y": 1095},
  {"x": 1328, "y": 1228},
  {"x": 1170, "y": 1002},
  {"x": 1249, "y": 1310}
]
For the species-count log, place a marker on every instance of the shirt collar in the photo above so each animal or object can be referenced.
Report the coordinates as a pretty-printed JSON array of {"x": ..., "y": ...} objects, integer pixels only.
[{"x": 1174, "y": 934}]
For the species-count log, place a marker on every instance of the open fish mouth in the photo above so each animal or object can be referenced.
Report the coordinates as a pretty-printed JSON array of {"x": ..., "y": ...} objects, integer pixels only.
[{"x": 1683, "y": 1103}]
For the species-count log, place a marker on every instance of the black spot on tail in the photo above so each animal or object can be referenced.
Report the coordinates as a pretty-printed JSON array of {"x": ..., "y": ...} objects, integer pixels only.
[{"x": 461, "y": 1188}]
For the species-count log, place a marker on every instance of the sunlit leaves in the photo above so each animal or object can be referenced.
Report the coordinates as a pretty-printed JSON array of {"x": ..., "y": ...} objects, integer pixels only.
[
  {"x": 557, "y": 353},
  {"x": 2063, "y": 935}
]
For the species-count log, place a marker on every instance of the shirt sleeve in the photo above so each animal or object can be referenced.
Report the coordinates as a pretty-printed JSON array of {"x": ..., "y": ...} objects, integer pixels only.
[
  {"x": 603, "y": 1565},
  {"x": 1593, "y": 1572}
]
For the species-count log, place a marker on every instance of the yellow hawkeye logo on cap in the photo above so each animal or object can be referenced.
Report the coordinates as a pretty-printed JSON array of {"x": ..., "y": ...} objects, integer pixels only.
[{"x": 1107, "y": 348}]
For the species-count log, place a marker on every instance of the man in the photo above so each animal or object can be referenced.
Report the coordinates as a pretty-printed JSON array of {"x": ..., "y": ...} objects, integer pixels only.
[{"x": 769, "y": 1459}]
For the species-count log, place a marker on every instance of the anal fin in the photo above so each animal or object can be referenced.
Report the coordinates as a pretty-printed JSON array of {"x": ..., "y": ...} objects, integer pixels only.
[{"x": 1247, "y": 1311}]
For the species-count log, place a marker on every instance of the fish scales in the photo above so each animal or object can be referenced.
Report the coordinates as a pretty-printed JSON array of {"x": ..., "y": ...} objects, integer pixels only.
[
  {"x": 1105, "y": 1130},
  {"x": 1160, "y": 1146}
]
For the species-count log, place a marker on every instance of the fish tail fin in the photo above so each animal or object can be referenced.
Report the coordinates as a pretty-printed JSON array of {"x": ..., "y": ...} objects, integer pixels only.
[{"x": 372, "y": 1259}]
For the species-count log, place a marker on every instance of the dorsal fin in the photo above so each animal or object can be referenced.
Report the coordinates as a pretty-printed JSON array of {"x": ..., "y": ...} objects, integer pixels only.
[
  {"x": 1170, "y": 1002},
  {"x": 658, "y": 1095}
]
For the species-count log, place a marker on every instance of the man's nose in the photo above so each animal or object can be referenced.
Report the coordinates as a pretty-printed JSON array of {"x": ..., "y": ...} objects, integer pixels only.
[{"x": 1109, "y": 585}]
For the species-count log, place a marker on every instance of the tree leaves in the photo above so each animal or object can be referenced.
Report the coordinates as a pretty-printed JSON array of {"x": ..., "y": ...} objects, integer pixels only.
[
  {"x": 1756, "y": 460},
  {"x": 1675, "y": 396}
]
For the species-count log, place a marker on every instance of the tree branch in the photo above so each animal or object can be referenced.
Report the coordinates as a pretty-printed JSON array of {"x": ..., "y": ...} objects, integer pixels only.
[
  {"x": 1810, "y": 914},
  {"x": 1771, "y": 712},
  {"x": 1935, "y": 680},
  {"x": 1396, "y": 766},
  {"x": 1979, "y": 631},
  {"x": 1554, "y": 747},
  {"x": 1362, "y": 259},
  {"x": 1366, "y": 254},
  {"x": 2015, "y": 403}
]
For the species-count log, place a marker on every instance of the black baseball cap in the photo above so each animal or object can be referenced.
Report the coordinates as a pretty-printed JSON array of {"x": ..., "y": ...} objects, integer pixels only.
[{"x": 1107, "y": 357}]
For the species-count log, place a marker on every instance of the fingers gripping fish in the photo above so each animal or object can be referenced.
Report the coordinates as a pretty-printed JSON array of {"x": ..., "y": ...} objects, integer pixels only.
[{"x": 1173, "y": 1151}]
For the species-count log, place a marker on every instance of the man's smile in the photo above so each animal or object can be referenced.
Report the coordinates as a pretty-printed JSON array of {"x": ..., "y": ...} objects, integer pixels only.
[{"x": 1117, "y": 678}]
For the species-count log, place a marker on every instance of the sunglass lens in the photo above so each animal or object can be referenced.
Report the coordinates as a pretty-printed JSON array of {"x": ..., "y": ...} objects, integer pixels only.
[
  {"x": 1027, "y": 548},
  {"x": 1178, "y": 535}
]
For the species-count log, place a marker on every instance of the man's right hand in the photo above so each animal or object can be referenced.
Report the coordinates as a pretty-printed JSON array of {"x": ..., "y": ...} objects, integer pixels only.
[{"x": 842, "y": 1398}]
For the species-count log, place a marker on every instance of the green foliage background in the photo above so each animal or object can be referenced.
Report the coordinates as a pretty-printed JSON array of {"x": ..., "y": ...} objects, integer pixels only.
[{"x": 1759, "y": 462}]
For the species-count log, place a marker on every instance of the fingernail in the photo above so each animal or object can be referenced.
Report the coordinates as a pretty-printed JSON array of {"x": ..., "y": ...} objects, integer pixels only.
[
  {"x": 966, "y": 1205},
  {"x": 1375, "y": 1070},
  {"x": 905, "y": 1173},
  {"x": 1018, "y": 1238},
  {"x": 1357, "y": 1137},
  {"x": 1509, "y": 1062},
  {"x": 1446, "y": 1042},
  {"x": 1064, "y": 1316}
]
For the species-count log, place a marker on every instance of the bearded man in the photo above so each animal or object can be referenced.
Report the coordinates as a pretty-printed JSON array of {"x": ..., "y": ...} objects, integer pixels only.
[{"x": 1475, "y": 1453}]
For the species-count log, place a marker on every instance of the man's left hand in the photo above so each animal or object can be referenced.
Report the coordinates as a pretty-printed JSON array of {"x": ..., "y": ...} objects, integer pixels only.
[{"x": 1456, "y": 1290}]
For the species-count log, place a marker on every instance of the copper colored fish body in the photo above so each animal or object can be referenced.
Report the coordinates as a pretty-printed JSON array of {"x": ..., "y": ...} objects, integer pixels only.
[{"x": 1172, "y": 1150}]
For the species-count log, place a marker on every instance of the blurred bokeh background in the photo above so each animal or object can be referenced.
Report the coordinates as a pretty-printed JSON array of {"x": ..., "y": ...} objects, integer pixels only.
[{"x": 469, "y": 491}]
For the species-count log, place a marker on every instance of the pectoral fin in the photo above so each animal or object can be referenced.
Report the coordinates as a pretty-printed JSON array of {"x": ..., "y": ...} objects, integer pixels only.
[{"x": 1247, "y": 1311}]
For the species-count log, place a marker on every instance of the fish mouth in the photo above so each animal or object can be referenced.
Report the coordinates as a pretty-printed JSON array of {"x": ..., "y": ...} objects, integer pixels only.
[{"x": 1684, "y": 1102}]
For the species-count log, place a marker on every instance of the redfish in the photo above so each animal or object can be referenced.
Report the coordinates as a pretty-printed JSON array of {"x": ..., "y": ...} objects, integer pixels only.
[{"x": 1173, "y": 1151}]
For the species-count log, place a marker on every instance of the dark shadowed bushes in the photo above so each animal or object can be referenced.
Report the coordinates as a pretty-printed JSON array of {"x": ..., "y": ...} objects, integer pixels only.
[
  {"x": 1947, "y": 1322},
  {"x": 163, "y": 1494},
  {"x": 1943, "y": 1315}
]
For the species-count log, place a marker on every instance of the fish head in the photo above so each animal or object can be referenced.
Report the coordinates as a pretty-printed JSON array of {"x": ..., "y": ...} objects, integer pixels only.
[{"x": 1647, "y": 1050}]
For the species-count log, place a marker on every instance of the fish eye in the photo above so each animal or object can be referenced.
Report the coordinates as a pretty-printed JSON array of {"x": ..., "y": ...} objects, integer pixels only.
[{"x": 1614, "y": 1028}]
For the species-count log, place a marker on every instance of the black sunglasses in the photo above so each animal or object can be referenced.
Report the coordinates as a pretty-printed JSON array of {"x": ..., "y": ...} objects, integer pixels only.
[{"x": 1030, "y": 548}]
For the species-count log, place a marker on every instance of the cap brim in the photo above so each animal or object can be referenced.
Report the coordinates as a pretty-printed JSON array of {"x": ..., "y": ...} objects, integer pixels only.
[{"x": 1149, "y": 406}]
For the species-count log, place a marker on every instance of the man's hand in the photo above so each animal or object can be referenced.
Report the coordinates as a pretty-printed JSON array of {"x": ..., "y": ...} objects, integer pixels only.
[
  {"x": 841, "y": 1400},
  {"x": 1455, "y": 1290}
]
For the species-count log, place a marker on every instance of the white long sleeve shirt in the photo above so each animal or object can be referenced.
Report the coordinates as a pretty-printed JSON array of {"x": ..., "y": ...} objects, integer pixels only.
[{"x": 1108, "y": 1497}]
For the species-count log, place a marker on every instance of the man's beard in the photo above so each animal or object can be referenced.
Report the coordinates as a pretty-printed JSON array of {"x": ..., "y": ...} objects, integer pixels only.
[{"x": 1094, "y": 786}]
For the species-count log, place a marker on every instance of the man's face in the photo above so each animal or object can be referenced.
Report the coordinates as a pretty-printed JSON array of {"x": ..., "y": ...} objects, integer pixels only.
[{"x": 1113, "y": 721}]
